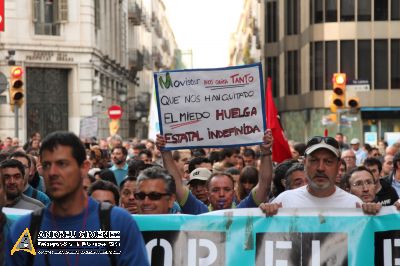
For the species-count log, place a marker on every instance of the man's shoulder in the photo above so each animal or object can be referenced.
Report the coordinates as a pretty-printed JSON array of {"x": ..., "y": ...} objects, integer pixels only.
[{"x": 28, "y": 203}]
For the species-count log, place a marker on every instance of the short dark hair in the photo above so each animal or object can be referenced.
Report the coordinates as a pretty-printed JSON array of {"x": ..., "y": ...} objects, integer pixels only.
[
  {"x": 228, "y": 152},
  {"x": 64, "y": 138},
  {"x": 156, "y": 172},
  {"x": 123, "y": 149},
  {"x": 280, "y": 173},
  {"x": 373, "y": 161},
  {"x": 21, "y": 154},
  {"x": 356, "y": 169},
  {"x": 12, "y": 163},
  {"x": 247, "y": 152},
  {"x": 193, "y": 163},
  {"x": 105, "y": 185},
  {"x": 128, "y": 178},
  {"x": 300, "y": 148},
  {"x": 135, "y": 166},
  {"x": 396, "y": 158},
  {"x": 108, "y": 175},
  {"x": 147, "y": 152}
]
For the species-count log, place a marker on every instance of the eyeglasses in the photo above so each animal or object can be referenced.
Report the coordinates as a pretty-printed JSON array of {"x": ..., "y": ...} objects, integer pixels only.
[
  {"x": 151, "y": 195},
  {"x": 318, "y": 139},
  {"x": 349, "y": 157},
  {"x": 360, "y": 184}
]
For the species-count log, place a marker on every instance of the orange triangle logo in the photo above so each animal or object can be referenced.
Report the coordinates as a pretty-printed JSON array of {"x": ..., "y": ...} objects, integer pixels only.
[{"x": 24, "y": 243}]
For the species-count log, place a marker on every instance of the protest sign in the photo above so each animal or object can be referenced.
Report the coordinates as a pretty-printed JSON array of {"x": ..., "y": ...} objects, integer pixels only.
[
  {"x": 211, "y": 107},
  {"x": 309, "y": 237}
]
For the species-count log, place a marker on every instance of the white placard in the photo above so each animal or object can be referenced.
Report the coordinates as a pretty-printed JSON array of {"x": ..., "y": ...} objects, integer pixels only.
[{"x": 211, "y": 107}]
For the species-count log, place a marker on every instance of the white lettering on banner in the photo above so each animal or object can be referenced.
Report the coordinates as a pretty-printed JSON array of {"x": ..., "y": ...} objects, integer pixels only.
[
  {"x": 167, "y": 250},
  {"x": 269, "y": 249},
  {"x": 289, "y": 249},
  {"x": 192, "y": 252},
  {"x": 315, "y": 253},
  {"x": 387, "y": 251}
]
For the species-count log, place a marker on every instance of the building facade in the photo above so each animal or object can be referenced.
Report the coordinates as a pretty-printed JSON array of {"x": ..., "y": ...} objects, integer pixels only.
[
  {"x": 80, "y": 58},
  {"x": 304, "y": 42}
]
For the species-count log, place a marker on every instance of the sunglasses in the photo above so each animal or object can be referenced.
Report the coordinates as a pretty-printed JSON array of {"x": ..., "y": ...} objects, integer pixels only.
[
  {"x": 151, "y": 195},
  {"x": 318, "y": 139}
]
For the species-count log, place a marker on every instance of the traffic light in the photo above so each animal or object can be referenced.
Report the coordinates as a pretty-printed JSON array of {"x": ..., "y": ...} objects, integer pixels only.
[
  {"x": 339, "y": 91},
  {"x": 16, "y": 87},
  {"x": 353, "y": 102}
]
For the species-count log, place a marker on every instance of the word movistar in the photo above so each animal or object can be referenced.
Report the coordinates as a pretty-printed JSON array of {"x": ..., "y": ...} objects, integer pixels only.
[{"x": 168, "y": 82}]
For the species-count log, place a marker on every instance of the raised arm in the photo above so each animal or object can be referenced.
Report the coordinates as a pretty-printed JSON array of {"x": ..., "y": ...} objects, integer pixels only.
[
  {"x": 169, "y": 164},
  {"x": 261, "y": 190}
]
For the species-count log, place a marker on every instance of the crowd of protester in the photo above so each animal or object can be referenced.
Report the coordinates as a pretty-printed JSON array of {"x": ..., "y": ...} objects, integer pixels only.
[{"x": 142, "y": 177}]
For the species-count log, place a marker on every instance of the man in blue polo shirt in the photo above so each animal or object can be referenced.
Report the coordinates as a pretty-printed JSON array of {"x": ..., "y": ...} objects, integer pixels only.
[
  {"x": 221, "y": 185},
  {"x": 120, "y": 167}
]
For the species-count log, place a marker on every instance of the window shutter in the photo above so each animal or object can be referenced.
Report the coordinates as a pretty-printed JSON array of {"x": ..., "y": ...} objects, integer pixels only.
[
  {"x": 35, "y": 10},
  {"x": 61, "y": 11},
  {"x": 97, "y": 14}
]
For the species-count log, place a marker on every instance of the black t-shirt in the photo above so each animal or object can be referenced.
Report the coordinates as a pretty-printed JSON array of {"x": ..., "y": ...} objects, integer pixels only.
[{"x": 387, "y": 196}]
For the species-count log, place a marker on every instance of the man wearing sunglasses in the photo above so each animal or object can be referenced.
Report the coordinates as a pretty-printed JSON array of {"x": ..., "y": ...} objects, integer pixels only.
[
  {"x": 321, "y": 165},
  {"x": 220, "y": 186},
  {"x": 155, "y": 191}
]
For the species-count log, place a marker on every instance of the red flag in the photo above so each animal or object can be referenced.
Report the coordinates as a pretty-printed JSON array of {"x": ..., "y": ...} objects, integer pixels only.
[{"x": 280, "y": 147}]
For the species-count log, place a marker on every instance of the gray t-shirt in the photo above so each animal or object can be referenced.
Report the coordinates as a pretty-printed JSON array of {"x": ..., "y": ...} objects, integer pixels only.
[{"x": 27, "y": 203}]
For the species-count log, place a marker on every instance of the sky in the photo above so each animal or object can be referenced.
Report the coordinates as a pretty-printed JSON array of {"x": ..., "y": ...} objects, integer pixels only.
[{"x": 205, "y": 26}]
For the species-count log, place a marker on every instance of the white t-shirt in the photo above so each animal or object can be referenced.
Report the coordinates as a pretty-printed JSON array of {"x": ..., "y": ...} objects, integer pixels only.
[{"x": 301, "y": 198}]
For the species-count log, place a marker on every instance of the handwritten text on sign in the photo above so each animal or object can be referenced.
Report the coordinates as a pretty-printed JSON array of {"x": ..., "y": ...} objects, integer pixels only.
[{"x": 211, "y": 107}]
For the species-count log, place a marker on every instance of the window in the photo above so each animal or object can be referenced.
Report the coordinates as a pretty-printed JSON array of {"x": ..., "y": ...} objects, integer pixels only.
[
  {"x": 381, "y": 10},
  {"x": 381, "y": 64},
  {"x": 330, "y": 62},
  {"x": 97, "y": 24},
  {"x": 331, "y": 11},
  {"x": 292, "y": 15},
  {"x": 271, "y": 22},
  {"x": 319, "y": 66},
  {"x": 347, "y": 10},
  {"x": 293, "y": 73},
  {"x": 364, "y": 60},
  {"x": 395, "y": 63},
  {"x": 48, "y": 15},
  {"x": 364, "y": 10},
  {"x": 395, "y": 7},
  {"x": 272, "y": 72},
  {"x": 319, "y": 11},
  {"x": 347, "y": 59}
]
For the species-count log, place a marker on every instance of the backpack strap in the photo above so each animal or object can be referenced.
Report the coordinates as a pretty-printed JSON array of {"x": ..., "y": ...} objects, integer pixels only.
[
  {"x": 34, "y": 228},
  {"x": 34, "y": 193},
  {"x": 105, "y": 225}
]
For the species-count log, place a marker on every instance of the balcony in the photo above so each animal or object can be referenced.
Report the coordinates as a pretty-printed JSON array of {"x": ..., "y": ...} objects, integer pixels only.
[
  {"x": 147, "y": 59},
  {"x": 165, "y": 45},
  {"x": 157, "y": 27},
  {"x": 157, "y": 60},
  {"x": 134, "y": 13},
  {"x": 135, "y": 60}
]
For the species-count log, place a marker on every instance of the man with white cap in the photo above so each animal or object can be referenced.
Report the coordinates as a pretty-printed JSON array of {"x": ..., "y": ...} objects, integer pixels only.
[
  {"x": 360, "y": 154},
  {"x": 198, "y": 183},
  {"x": 322, "y": 161}
]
